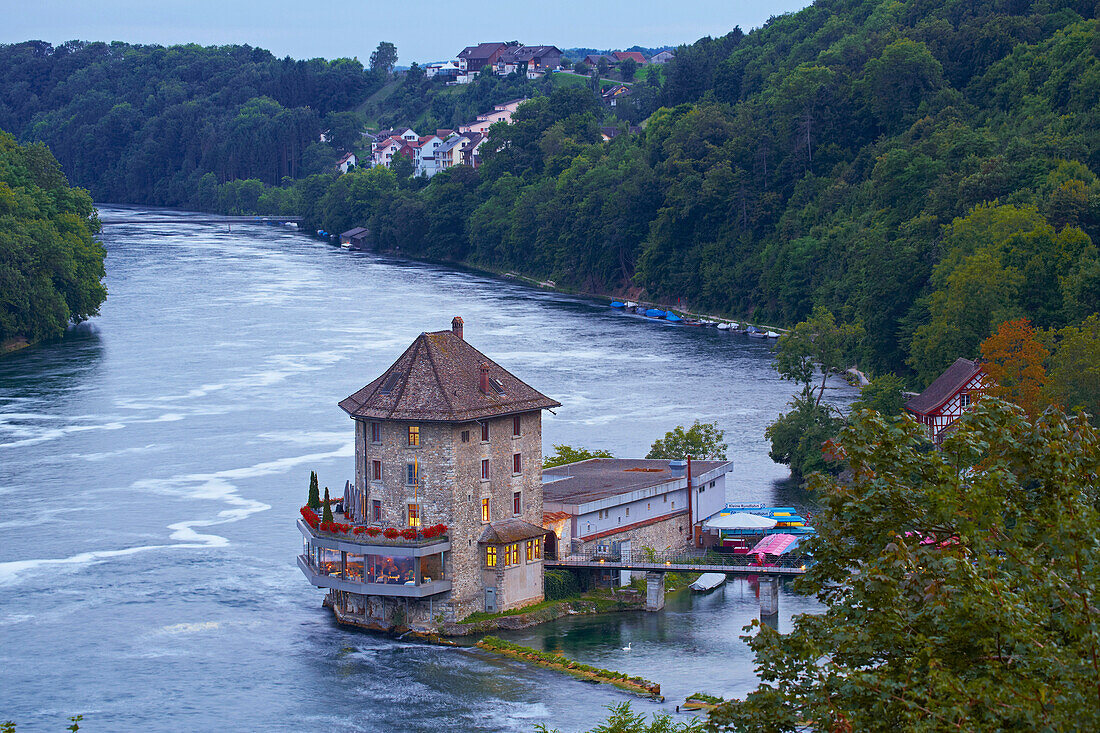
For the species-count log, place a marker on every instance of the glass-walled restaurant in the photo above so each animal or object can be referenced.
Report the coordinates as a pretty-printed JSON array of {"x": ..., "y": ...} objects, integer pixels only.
[{"x": 420, "y": 572}]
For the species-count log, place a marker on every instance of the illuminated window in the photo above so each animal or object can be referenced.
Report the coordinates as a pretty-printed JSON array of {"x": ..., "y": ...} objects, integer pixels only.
[
  {"x": 485, "y": 510},
  {"x": 376, "y": 470},
  {"x": 534, "y": 549},
  {"x": 516, "y": 503},
  {"x": 376, "y": 432},
  {"x": 412, "y": 473},
  {"x": 516, "y": 465},
  {"x": 485, "y": 432},
  {"x": 414, "y": 435},
  {"x": 484, "y": 469},
  {"x": 376, "y": 511},
  {"x": 414, "y": 515},
  {"x": 491, "y": 557},
  {"x": 511, "y": 554},
  {"x": 515, "y": 426}
]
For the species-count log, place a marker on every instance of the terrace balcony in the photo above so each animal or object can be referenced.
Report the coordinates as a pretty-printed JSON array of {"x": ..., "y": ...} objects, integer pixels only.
[{"x": 379, "y": 566}]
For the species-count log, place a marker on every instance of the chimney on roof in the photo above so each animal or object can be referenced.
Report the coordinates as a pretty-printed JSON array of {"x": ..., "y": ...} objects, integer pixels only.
[
  {"x": 456, "y": 326},
  {"x": 483, "y": 378}
]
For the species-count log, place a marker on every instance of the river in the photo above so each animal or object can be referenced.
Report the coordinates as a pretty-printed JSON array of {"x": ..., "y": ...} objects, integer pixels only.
[{"x": 152, "y": 464}]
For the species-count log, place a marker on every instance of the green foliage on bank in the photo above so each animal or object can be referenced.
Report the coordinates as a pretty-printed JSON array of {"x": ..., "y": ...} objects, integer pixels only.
[
  {"x": 974, "y": 604},
  {"x": 922, "y": 168},
  {"x": 560, "y": 584},
  {"x": 922, "y": 171},
  {"x": 51, "y": 265}
]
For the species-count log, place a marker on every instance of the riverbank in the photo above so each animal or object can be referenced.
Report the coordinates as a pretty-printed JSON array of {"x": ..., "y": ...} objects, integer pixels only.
[
  {"x": 14, "y": 344},
  {"x": 559, "y": 663}
]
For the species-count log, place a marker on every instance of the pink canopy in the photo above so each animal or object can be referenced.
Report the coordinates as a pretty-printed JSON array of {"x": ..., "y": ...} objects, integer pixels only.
[{"x": 773, "y": 544}]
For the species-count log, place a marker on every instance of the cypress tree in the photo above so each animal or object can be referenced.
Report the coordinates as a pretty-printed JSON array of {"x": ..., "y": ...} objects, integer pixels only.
[
  {"x": 326, "y": 514},
  {"x": 314, "y": 498}
]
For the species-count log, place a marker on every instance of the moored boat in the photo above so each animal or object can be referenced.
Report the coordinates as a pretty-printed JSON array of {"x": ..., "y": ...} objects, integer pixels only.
[
  {"x": 724, "y": 326},
  {"x": 617, "y": 304},
  {"x": 708, "y": 581},
  {"x": 655, "y": 313},
  {"x": 772, "y": 334},
  {"x": 673, "y": 318}
]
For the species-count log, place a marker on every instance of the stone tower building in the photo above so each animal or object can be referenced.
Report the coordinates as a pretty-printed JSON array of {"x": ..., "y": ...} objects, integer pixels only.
[{"x": 444, "y": 436}]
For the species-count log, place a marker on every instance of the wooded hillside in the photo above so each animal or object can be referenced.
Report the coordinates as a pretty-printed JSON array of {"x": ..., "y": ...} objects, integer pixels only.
[{"x": 926, "y": 168}]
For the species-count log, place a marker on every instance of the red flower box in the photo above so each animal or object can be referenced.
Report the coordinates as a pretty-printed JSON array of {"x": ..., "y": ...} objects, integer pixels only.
[
  {"x": 390, "y": 533},
  {"x": 408, "y": 534}
]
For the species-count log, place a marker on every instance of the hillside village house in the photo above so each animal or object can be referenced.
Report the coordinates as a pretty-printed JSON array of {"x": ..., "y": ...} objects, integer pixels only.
[
  {"x": 663, "y": 57},
  {"x": 612, "y": 95},
  {"x": 945, "y": 400},
  {"x": 473, "y": 59},
  {"x": 347, "y": 161},
  {"x": 500, "y": 113},
  {"x": 635, "y": 56},
  {"x": 537, "y": 59},
  {"x": 448, "y": 449}
]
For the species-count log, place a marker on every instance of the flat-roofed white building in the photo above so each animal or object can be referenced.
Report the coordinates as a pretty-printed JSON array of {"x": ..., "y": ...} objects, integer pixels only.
[{"x": 648, "y": 502}]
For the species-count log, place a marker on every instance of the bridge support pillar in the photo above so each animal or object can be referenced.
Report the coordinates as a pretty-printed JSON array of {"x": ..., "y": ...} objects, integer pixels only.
[
  {"x": 655, "y": 591},
  {"x": 769, "y": 596}
]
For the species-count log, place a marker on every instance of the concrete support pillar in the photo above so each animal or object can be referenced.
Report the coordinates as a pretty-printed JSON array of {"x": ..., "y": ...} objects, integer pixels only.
[
  {"x": 769, "y": 596},
  {"x": 655, "y": 591}
]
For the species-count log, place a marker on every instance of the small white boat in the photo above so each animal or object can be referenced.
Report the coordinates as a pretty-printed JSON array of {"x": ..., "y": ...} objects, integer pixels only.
[
  {"x": 724, "y": 326},
  {"x": 772, "y": 335},
  {"x": 708, "y": 581}
]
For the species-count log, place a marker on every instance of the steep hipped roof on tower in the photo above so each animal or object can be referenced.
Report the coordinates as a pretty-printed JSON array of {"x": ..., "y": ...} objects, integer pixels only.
[
  {"x": 945, "y": 387},
  {"x": 438, "y": 379}
]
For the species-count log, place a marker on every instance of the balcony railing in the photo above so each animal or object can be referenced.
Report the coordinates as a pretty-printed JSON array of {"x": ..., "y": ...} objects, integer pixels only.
[{"x": 337, "y": 580}]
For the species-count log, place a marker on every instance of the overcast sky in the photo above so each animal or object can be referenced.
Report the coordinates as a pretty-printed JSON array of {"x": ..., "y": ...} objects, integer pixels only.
[{"x": 423, "y": 31}]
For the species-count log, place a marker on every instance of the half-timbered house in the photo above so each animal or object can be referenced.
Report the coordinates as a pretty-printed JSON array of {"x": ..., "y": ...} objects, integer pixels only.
[{"x": 947, "y": 398}]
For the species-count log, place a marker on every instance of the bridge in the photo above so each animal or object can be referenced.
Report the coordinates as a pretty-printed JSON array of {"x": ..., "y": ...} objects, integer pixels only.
[
  {"x": 227, "y": 220},
  {"x": 655, "y": 564}
]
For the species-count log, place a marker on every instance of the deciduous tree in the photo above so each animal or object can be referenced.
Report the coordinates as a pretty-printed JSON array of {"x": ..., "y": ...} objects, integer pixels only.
[
  {"x": 701, "y": 440},
  {"x": 960, "y": 584},
  {"x": 1013, "y": 360},
  {"x": 564, "y": 454}
]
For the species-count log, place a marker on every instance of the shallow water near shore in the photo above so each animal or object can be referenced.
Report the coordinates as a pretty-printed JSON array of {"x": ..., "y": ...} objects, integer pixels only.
[{"x": 152, "y": 464}]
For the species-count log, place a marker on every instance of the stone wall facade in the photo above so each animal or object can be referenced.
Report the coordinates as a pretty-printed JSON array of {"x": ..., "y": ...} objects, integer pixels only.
[
  {"x": 673, "y": 532},
  {"x": 449, "y": 490}
]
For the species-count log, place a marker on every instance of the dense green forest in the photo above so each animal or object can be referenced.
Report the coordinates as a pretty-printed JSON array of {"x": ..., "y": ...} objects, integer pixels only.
[
  {"x": 50, "y": 263},
  {"x": 923, "y": 168},
  {"x": 926, "y": 168}
]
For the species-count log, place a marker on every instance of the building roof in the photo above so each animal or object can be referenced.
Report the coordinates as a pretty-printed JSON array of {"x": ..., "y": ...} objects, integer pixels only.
[
  {"x": 635, "y": 55},
  {"x": 528, "y": 53},
  {"x": 480, "y": 51},
  {"x": 510, "y": 530},
  {"x": 346, "y": 157},
  {"x": 945, "y": 387},
  {"x": 599, "y": 478},
  {"x": 438, "y": 378},
  {"x": 616, "y": 91},
  {"x": 354, "y": 232}
]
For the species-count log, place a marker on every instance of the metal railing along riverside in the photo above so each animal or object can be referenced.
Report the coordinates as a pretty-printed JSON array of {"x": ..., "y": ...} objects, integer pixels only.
[{"x": 676, "y": 560}]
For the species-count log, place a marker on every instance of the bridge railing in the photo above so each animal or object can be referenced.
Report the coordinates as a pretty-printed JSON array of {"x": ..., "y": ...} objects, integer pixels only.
[{"x": 671, "y": 557}]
